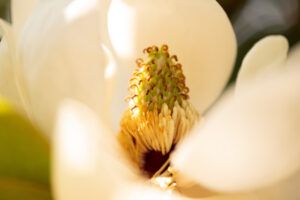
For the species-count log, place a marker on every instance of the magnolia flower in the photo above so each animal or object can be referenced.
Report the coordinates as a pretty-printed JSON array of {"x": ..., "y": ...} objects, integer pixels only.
[
  {"x": 65, "y": 52},
  {"x": 68, "y": 43},
  {"x": 246, "y": 148}
]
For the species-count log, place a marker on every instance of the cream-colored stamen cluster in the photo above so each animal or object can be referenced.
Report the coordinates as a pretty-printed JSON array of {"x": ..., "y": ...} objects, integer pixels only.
[{"x": 159, "y": 113}]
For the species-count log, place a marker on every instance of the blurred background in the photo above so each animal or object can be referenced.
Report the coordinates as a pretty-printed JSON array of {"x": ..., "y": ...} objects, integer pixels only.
[
  {"x": 251, "y": 20},
  {"x": 254, "y": 19}
]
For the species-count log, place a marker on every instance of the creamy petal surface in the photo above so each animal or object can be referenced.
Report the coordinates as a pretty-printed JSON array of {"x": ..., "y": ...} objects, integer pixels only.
[
  {"x": 145, "y": 192},
  {"x": 198, "y": 32},
  {"x": 63, "y": 54},
  {"x": 86, "y": 160},
  {"x": 8, "y": 85},
  {"x": 285, "y": 189},
  {"x": 267, "y": 55},
  {"x": 20, "y": 10},
  {"x": 247, "y": 142}
]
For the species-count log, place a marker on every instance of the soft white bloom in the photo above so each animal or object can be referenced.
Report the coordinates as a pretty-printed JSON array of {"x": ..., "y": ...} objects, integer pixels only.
[
  {"x": 10, "y": 34},
  {"x": 266, "y": 56},
  {"x": 199, "y": 32},
  {"x": 248, "y": 145},
  {"x": 247, "y": 142},
  {"x": 251, "y": 138},
  {"x": 65, "y": 51}
]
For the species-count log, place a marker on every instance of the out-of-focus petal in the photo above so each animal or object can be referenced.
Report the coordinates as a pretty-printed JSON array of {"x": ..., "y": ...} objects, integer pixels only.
[
  {"x": 146, "y": 192},
  {"x": 8, "y": 87},
  {"x": 268, "y": 54},
  {"x": 232, "y": 197},
  {"x": 247, "y": 142},
  {"x": 62, "y": 54},
  {"x": 86, "y": 161},
  {"x": 20, "y": 10},
  {"x": 137, "y": 191},
  {"x": 286, "y": 189},
  {"x": 198, "y": 32}
]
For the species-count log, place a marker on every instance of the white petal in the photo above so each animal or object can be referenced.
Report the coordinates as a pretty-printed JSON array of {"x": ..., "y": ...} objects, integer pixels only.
[
  {"x": 20, "y": 10},
  {"x": 286, "y": 189},
  {"x": 86, "y": 162},
  {"x": 268, "y": 54},
  {"x": 146, "y": 192},
  {"x": 198, "y": 32},
  {"x": 247, "y": 142},
  {"x": 142, "y": 192},
  {"x": 62, "y": 54},
  {"x": 8, "y": 85},
  {"x": 232, "y": 197}
]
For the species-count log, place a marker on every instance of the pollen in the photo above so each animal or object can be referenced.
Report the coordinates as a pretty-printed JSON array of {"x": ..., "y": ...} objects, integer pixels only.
[{"x": 159, "y": 113}]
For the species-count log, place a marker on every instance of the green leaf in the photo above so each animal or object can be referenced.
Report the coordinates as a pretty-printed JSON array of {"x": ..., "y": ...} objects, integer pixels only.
[
  {"x": 18, "y": 190},
  {"x": 24, "y": 158}
]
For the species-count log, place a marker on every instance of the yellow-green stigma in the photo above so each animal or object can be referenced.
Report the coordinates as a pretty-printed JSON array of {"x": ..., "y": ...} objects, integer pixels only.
[{"x": 157, "y": 80}]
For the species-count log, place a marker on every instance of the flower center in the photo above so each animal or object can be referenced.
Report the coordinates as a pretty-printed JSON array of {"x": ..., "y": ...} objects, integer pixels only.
[
  {"x": 153, "y": 161},
  {"x": 159, "y": 113}
]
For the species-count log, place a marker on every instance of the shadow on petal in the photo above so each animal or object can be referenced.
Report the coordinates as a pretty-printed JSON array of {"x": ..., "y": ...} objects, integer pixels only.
[{"x": 247, "y": 142}]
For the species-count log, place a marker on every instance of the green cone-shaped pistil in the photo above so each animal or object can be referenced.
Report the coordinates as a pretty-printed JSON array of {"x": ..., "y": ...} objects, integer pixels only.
[{"x": 157, "y": 80}]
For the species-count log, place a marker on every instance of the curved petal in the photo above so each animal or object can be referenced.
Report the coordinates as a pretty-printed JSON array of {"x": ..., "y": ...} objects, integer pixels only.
[
  {"x": 247, "y": 142},
  {"x": 270, "y": 53},
  {"x": 135, "y": 191},
  {"x": 8, "y": 86},
  {"x": 20, "y": 11},
  {"x": 146, "y": 192},
  {"x": 86, "y": 161},
  {"x": 67, "y": 57},
  {"x": 198, "y": 32}
]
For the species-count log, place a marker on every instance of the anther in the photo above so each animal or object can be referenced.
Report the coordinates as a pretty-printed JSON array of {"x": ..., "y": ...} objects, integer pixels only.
[
  {"x": 133, "y": 108},
  {"x": 178, "y": 66},
  {"x": 174, "y": 57},
  {"x": 149, "y": 50},
  {"x": 139, "y": 73},
  {"x": 132, "y": 79},
  {"x": 133, "y": 86},
  {"x": 134, "y": 96},
  {"x": 186, "y": 90},
  {"x": 139, "y": 61},
  {"x": 185, "y": 96},
  {"x": 164, "y": 47},
  {"x": 155, "y": 48}
]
